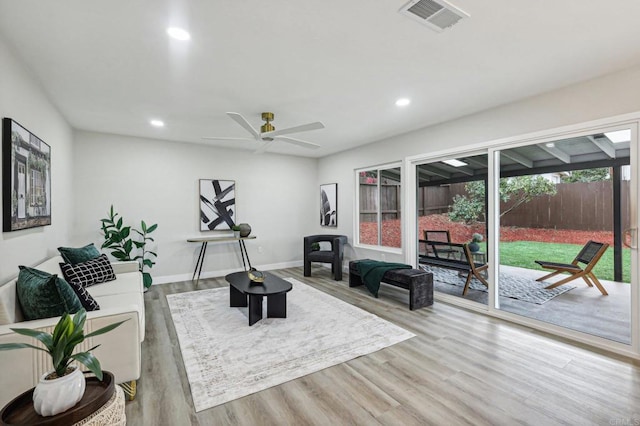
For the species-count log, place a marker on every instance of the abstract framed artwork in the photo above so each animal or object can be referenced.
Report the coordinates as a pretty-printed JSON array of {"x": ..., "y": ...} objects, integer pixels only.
[
  {"x": 26, "y": 178},
  {"x": 329, "y": 204},
  {"x": 217, "y": 204}
]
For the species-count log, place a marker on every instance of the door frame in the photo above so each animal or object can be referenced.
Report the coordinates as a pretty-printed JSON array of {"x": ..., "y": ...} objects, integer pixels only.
[{"x": 410, "y": 230}]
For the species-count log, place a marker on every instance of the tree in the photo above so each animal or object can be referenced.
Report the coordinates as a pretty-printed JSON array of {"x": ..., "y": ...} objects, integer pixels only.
[
  {"x": 469, "y": 208},
  {"x": 588, "y": 175},
  {"x": 516, "y": 191}
]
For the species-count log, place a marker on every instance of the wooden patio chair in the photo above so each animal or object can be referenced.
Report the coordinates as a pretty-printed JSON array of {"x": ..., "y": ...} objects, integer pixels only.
[
  {"x": 442, "y": 236},
  {"x": 589, "y": 256},
  {"x": 465, "y": 265}
]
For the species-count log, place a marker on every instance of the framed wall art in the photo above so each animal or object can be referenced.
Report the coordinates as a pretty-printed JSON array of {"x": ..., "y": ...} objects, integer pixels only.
[
  {"x": 217, "y": 204},
  {"x": 329, "y": 204},
  {"x": 26, "y": 178}
]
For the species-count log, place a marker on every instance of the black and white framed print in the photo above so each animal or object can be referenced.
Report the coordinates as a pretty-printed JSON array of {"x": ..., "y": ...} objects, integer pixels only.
[
  {"x": 329, "y": 204},
  {"x": 26, "y": 178},
  {"x": 217, "y": 204}
]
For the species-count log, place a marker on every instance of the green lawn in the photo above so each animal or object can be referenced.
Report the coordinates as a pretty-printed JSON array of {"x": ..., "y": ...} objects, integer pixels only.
[{"x": 524, "y": 253}]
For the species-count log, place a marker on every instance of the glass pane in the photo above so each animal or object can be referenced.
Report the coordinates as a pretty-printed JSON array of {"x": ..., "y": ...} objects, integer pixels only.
[
  {"x": 368, "y": 210},
  {"x": 563, "y": 206},
  {"x": 390, "y": 205},
  {"x": 451, "y": 206}
]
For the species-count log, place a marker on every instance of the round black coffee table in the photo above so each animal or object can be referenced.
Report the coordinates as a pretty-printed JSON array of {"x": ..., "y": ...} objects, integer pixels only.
[{"x": 275, "y": 289}]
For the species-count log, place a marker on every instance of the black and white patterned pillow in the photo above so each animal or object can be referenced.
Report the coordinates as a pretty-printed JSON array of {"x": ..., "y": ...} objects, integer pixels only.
[
  {"x": 86, "y": 274},
  {"x": 87, "y": 301}
]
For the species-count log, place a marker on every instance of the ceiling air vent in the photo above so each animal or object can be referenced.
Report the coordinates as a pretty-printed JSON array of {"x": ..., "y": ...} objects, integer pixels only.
[{"x": 437, "y": 15}]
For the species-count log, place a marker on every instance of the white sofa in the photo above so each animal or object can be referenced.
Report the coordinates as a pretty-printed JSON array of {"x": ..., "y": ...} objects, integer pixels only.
[{"x": 119, "y": 351}]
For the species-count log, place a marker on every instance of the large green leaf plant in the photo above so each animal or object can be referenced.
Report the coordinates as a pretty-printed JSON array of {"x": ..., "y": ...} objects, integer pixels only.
[
  {"x": 117, "y": 238},
  {"x": 67, "y": 334}
]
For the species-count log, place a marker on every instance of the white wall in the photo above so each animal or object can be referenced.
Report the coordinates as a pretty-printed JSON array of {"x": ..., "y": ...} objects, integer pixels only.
[
  {"x": 599, "y": 98},
  {"x": 22, "y": 99},
  {"x": 158, "y": 181}
]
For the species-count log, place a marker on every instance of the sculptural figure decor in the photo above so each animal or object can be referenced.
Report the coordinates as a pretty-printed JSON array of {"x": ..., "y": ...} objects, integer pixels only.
[{"x": 217, "y": 204}]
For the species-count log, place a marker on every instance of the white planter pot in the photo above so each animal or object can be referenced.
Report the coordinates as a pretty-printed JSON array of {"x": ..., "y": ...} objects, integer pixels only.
[{"x": 52, "y": 397}]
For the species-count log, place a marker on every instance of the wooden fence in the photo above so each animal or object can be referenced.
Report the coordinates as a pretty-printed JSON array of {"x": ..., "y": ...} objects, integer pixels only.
[
  {"x": 581, "y": 206},
  {"x": 390, "y": 202}
]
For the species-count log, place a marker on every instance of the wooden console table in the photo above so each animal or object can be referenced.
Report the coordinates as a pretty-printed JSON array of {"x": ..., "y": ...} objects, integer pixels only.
[{"x": 203, "y": 250}]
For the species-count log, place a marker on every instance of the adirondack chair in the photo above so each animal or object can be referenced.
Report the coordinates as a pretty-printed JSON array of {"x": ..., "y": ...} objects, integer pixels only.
[{"x": 589, "y": 256}]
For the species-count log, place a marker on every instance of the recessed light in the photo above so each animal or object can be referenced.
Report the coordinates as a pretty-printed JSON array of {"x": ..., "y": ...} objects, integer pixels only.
[
  {"x": 403, "y": 102},
  {"x": 454, "y": 163},
  {"x": 619, "y": 136},
  {"x": 157, "y": 123},
  {"x": 549, "y": 144},
  {"x": 178, "y": 33}
]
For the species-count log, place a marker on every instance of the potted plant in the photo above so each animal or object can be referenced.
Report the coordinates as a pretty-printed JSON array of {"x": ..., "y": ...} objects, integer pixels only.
[
  {"x": 315, "y": 246},
  {"x": 475, "y": 239},
  {"x": 123, "y": 247},
  {"x": 62, "y": 388},
  {"x": 236, "y": 231}
]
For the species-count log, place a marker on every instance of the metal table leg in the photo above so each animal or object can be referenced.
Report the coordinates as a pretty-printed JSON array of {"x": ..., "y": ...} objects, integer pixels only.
[
  {"x": 200, "y": 263},
  {"x": 243, "y": 251}
]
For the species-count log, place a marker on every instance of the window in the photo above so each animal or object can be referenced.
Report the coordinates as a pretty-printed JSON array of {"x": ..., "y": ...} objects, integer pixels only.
[
  {"x": 379, "y": 210},
  {"x": 37, "y": 188}
]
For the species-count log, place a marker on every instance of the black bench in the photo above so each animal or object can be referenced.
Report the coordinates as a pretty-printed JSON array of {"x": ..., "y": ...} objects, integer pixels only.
[
  {"x": 418, "y": 282},
  {"x": 452, "y": 256}
]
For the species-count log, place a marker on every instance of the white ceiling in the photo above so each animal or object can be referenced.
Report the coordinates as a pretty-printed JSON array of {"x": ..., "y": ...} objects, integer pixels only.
[{"x": 110, "y": 67}]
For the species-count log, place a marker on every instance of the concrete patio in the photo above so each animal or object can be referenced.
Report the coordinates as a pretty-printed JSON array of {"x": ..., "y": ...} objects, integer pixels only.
[{"x": 583, "y": 308}]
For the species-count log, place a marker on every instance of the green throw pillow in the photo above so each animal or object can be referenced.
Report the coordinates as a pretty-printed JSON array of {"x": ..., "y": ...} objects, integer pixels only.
[
  {"x": 78, "y": 255},
  {"x": 42, "y": 295}
]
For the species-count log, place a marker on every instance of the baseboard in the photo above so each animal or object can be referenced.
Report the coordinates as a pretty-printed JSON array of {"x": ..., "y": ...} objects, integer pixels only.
[{"x": 166, "y": 279}]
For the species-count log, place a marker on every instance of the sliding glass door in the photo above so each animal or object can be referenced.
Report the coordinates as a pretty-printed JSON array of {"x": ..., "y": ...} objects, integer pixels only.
[
  {"x": 451, "y": 218},
  {"x": 563, "y": 209},
  {"x": 555, "y": 218}
]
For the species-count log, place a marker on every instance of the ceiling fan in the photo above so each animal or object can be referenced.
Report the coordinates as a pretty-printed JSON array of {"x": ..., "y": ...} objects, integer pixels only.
[{"x": 269, "y": 134}]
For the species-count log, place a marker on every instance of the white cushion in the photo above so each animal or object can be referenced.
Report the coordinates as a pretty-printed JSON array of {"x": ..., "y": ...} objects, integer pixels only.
[
  {"x": 126, "y": 302},
  {"x": 52, "y": 266},
  {"x": 10, "y": 311},
  {"x": 130, "y": 282}
]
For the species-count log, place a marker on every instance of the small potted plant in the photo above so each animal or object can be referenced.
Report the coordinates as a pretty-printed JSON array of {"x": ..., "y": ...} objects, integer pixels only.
[
  {"x": 62, "y": 388},
  {"x": 315, "y": 246},
  {"x": 475, "y": 239},
  {"x": 236, "y": 231}
]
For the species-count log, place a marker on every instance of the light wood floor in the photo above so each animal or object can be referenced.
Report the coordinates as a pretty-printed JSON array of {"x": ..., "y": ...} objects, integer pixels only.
[{"x": 461, "y": 368}]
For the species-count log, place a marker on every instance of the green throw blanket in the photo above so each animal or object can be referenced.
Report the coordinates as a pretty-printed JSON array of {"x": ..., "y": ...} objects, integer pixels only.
[{"x": 372, "y": 271}]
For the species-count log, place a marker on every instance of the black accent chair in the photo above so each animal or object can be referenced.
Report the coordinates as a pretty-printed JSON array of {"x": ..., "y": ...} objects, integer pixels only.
[{"x": 333, "y": 256}]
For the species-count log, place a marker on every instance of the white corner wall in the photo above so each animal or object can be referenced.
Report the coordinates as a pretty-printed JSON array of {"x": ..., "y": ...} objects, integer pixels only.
[
  {"x": 22, "y": 99},
  {"x": 603, "y": 97},
  {"x": 157, "y": 181}
]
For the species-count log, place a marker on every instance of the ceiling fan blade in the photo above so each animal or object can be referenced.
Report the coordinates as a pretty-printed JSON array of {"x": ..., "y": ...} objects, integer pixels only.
[
  {"x": 222, "y": 138},
  {"x": 298, "y": 142},
  {"x": 263, "y": 148},
  {"x": 296, "y": 129},
  {"x": 244, "y": 123}
]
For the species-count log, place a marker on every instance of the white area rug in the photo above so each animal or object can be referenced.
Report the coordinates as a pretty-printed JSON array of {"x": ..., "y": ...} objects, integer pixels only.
[{"x": 226, "y": 359}]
